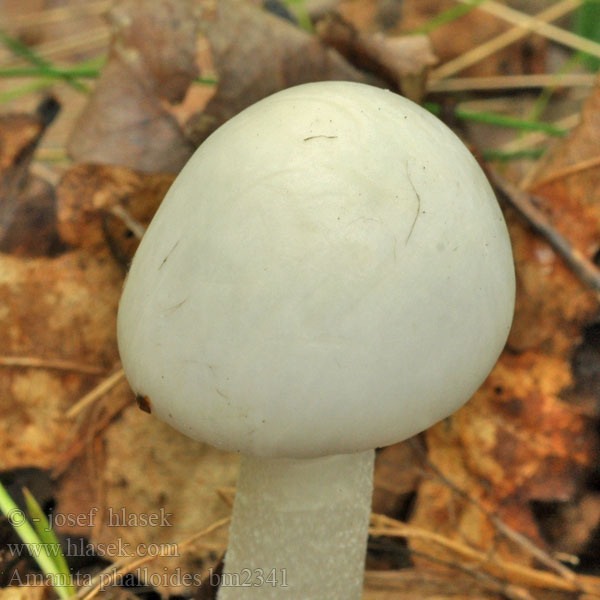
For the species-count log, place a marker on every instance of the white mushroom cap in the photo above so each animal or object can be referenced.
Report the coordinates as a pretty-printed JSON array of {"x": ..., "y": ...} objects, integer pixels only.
[{"x": 329, "y": 273}]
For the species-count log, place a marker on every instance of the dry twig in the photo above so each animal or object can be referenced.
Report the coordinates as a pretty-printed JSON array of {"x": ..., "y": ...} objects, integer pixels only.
[
  {"x": 501, "y": 41},
  {"x": 80, "y": 442},
  {"x": 102, "y": 388},
  {"x": 57, "y": 364},
  {"x": 525, "y": 204},
  {"x": 502, "y": 82},
  {"x": 495, "y": 584},
  {"x": 82, "y": 41},
  {"x": 129, "y": 220},
  {"x": 115, "y": 571},
  {"x": 510, "y": 533},
  {"x": 566, "y": 38},
  {"x": 514, "y": 573},
  {"x": 582, "y": 165},
  {"x": 60, "y": 14}
]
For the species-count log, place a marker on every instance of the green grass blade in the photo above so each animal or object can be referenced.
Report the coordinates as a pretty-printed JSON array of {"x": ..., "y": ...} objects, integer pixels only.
[
  {"x": 511, "y": 122},
  {"x": 506, "y": 156},
  {"x": 447, "y": 16},
  {"x": 50, "y": 72},
  {"x": 587, "y": 25},
  {"x": 300, "y": 10},
  {"x": 498, "y": 120},
  {"x": 21, "y": 50},
  {"x": 207, "y": 81},
  {"x": 47, "y": 536},
  {"x": 96, "y": 62},
  {"x": 25, "y": 531},
  {"x": 89, "y": 69}
]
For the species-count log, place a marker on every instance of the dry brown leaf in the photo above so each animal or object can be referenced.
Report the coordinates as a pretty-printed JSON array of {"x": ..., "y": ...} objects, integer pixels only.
[
  {"x": 551, "y": 304},
  {"x": 548, "y": 295},
  {"x": 151, "y": 469},
  {"x": 514, "y": 442},
  {"x": 520, "y": 437},
  {"x": 64, "y": 308},
  {"x": 67, "y": 307},
  {"x": 32, "y": 230},
  {"x": 256, "y": 54},
  {"x": 472, "y": 29},
  {"x": 87, "y": 193},
  {"x": 148, "y": 466},
  {"x": 453, "y": 39},
  {"x": 27, "y": 203},
  {"x": 152, "y": 58},
  {"x": 402, "y": 61},
  {"x": 17, "y": 132},
  {"x": 573, "y": 201},
  {"x": 159, "y": 39},
  {"x": 525, "y": 435},
  {"x": 23, "y": 592}
]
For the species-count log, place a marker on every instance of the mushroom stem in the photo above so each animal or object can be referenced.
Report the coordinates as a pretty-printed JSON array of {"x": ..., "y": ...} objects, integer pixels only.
[{"x": 300, "y": 523}]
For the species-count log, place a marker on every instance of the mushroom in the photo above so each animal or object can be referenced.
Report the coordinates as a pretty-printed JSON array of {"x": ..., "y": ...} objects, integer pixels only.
[{"x": 330, "y": 273}]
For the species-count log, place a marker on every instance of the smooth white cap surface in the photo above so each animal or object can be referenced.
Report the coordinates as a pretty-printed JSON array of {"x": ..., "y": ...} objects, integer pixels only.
[{"x": 329, "y": 273}]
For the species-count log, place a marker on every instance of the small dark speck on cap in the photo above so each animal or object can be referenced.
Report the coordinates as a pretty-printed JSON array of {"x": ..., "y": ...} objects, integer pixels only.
[{"x": 143, "y": 403}]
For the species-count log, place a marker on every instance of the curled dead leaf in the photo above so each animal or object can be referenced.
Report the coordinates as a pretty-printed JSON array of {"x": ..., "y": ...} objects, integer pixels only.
[
  {"x": 402, "y": 60},
  {"x": 256, "y": 54},
  {"x": 87, "y": 196},
  {"x": 152, "y": 58}
]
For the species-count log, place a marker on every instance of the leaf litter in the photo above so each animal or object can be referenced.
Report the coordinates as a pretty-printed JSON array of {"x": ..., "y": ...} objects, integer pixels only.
[{"x": 527, "y": 439}]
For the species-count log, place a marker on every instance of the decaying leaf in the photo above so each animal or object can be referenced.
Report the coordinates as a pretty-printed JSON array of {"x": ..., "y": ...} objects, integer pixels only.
[
  {"x": 152, "y": 58},
  {"x": 522, "y": 439},
  {"x": 88, "y": 195},
  {"x": 32, "y": 231},
  {"x": 551, "y": 305},
  {"x": 514, "y": 442},
  {"x": 452, "y": 39},
  {"x": 23, "y": 592},
  {"x": 159, "y": 41},
  {"x": 53, "y": 308},
  {"x": 524, "y": 436},
  {"x": 17, "y": 133},
  {"x": 402, "y": 60},
  {"x": 66, "y": 307},
  {"x": 572, "y": 194},
  {"x": 148, "y": 469},
  {"x": 256, "y": 54},
  {"x": 27, "y": 203},
  {"x": 548, "y": 295}
]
